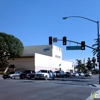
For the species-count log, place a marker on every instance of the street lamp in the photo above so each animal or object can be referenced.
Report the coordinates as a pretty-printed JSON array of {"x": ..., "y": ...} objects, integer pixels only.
[{"x": 97, "y": 22}]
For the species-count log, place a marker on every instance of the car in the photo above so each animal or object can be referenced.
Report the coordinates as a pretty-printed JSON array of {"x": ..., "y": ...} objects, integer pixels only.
[
  {"x": 25, "y": 73},
  {"x": 88, "y": 74},
  {"x": 60, "y": 74},
  {"x": 45, "y": 74},
  {"x": 75, "y": 74},
  {"x": 68, "y": 74},
  {"x": 7, "y": 75},
  {"x": 81, "y": 74},
  {"x": 15, "y": 75},
  {"x": 31, "y": 75}
]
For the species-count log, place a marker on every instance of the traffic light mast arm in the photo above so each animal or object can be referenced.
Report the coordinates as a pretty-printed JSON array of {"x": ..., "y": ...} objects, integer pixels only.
[{"x": 77, "y": 43}]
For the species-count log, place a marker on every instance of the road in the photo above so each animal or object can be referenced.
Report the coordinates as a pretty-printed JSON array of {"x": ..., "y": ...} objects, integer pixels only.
[{"x": 58, "y": 89}]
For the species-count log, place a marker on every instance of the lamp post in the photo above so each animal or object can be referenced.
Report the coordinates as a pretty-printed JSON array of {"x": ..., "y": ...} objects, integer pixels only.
[{"x": 97, "y": 22}]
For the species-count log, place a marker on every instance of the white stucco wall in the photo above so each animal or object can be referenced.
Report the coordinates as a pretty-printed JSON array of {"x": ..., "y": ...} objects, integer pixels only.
[
  {"x": 57, "y": 52},
  {"x": 31, "y": 50},
  {"x": 23, "y": 63},
  {"x": 52, "y": 50},
  {"x": 47, "y": 62}
]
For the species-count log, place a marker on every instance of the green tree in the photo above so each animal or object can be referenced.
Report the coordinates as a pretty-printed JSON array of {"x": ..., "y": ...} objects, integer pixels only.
[
  {"x": 89, "y": 64},
  {"x": 94, "y": 62},
  {"x": 95, "y": 51},
  {"x": 80, "y": 66},
  {"x": 10, "y": 47}
]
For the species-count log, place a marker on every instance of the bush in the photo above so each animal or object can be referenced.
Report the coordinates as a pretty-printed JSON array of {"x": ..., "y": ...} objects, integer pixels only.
[{"x": 1, "y": 72}]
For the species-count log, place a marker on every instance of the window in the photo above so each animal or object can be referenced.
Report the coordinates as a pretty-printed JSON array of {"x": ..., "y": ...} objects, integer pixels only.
[{"x": 43, "y": 71}]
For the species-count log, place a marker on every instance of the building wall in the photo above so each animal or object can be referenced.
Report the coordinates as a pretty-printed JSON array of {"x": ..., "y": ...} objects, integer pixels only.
[
  {"x": 23, "y": 63},
  {"x": 41, "y": 49},
  {"x": 57, "y": 52},
  {"x": 49, "y": 50},
  {"x": 47, "y": 62},
  {"x": 67, "y": 66}
]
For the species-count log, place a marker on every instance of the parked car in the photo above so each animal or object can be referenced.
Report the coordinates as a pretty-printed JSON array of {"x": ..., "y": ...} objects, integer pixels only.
[
  {"x": 31, "y": 75},
  {"x": 7, "y": 75},
  {"x": 68, "y": 74},
  {"x": 60, "y": 74},
  {"x": 88, "y": 74},
  {"x": 81, "y": 74},
  {"x": 45, "y": 74},
  {"x": 15, "y": 75},
  {"x": 25, "y": 73},
  {"x": 75, "y": 74}
]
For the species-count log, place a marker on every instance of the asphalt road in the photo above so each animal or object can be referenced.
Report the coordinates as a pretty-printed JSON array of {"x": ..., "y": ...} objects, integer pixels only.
[{"x": 58, "y": 89}]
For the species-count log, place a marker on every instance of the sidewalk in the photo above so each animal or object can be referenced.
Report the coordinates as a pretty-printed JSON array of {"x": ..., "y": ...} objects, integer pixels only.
[{"x": 96, "y": 92}]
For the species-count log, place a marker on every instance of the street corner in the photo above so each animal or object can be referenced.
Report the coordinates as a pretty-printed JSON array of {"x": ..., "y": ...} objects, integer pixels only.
[
  {"x": 96, "y": 85},
  {"x": 94, "y": 95}
]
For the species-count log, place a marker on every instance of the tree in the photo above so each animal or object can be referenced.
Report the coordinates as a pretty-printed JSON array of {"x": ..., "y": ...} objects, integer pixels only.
[
  {"x": 95, "y": 51},
  {"x": 94, "y": 62},
  {"x": 89, "y": 64},
  {"x": 80, "y": 66},
  {"x": 10, "y": 47}
]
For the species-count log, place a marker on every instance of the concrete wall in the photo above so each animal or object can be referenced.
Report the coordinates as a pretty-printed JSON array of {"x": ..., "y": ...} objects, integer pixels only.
[
  {"x": 23, "y": 63},
  {"x": 47, "y": 62}
]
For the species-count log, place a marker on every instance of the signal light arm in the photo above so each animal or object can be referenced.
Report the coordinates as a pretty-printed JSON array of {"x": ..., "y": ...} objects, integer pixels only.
[{"x": 78, "y": 43}]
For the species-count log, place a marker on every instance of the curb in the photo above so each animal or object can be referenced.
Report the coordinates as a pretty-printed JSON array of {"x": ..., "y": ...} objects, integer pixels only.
[
  {"x": 94, "y": 85},
  {"x": 89, "y": 98}
]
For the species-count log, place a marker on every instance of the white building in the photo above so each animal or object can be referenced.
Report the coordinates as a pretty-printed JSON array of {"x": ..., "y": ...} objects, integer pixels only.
[{"x": 42, "y": 57}]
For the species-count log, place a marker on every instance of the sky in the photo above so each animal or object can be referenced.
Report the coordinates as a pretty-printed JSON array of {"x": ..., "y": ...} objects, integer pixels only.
[{"x": 33, "y": 21}]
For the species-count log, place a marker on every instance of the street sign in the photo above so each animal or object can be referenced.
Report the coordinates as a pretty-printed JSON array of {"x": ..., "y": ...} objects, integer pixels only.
[
  {"x": 73, "y": 47},
  {"x": 54, "y": 39}
]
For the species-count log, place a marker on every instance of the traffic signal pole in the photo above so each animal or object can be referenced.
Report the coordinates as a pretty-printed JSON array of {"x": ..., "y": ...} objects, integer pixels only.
[
  {"x": 77, "y": 43},
  {"x": 98, "y": 47}
]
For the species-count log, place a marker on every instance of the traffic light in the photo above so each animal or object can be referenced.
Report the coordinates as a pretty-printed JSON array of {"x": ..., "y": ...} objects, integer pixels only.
[
  {"x": 64, "y": 40},
  {"x": 83, "y": 45},
  {"x": 50, "y": 40}
]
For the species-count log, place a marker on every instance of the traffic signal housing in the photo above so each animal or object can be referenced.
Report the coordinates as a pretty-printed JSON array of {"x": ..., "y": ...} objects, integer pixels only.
[
  {"x": 82, "y": 45},
  {"x": 50, "y": 40},
  {"x": 64, "y": 40}
]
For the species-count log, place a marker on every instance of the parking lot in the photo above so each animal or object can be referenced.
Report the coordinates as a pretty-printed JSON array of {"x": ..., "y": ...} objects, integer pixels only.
[{"x": 58, "y": 89}]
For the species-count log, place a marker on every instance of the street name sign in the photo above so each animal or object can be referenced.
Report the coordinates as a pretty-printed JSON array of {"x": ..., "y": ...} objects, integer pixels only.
[{"x": 73, "y": 47}]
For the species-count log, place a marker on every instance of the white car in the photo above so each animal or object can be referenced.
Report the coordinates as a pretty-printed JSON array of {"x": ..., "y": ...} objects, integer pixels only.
[
  {"x": 15, "y": 75},
  {"x": 88, "y": 74},
  {"x": 81, "y": 74},
  {"x": 76, "y": 74},
  {"x": 44, "y": 74}
]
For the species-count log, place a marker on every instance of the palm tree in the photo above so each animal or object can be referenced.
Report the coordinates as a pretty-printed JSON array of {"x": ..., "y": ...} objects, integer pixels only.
[
  {"x": 80, "y": 66},
  {"x": 89, "y": 65},
  {"x": 95, "y": 51},
  {"x": 94, "y": 62}
]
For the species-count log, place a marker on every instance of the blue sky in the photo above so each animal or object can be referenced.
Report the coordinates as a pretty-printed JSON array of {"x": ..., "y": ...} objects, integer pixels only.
[{"x": 33, "y": 21}]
